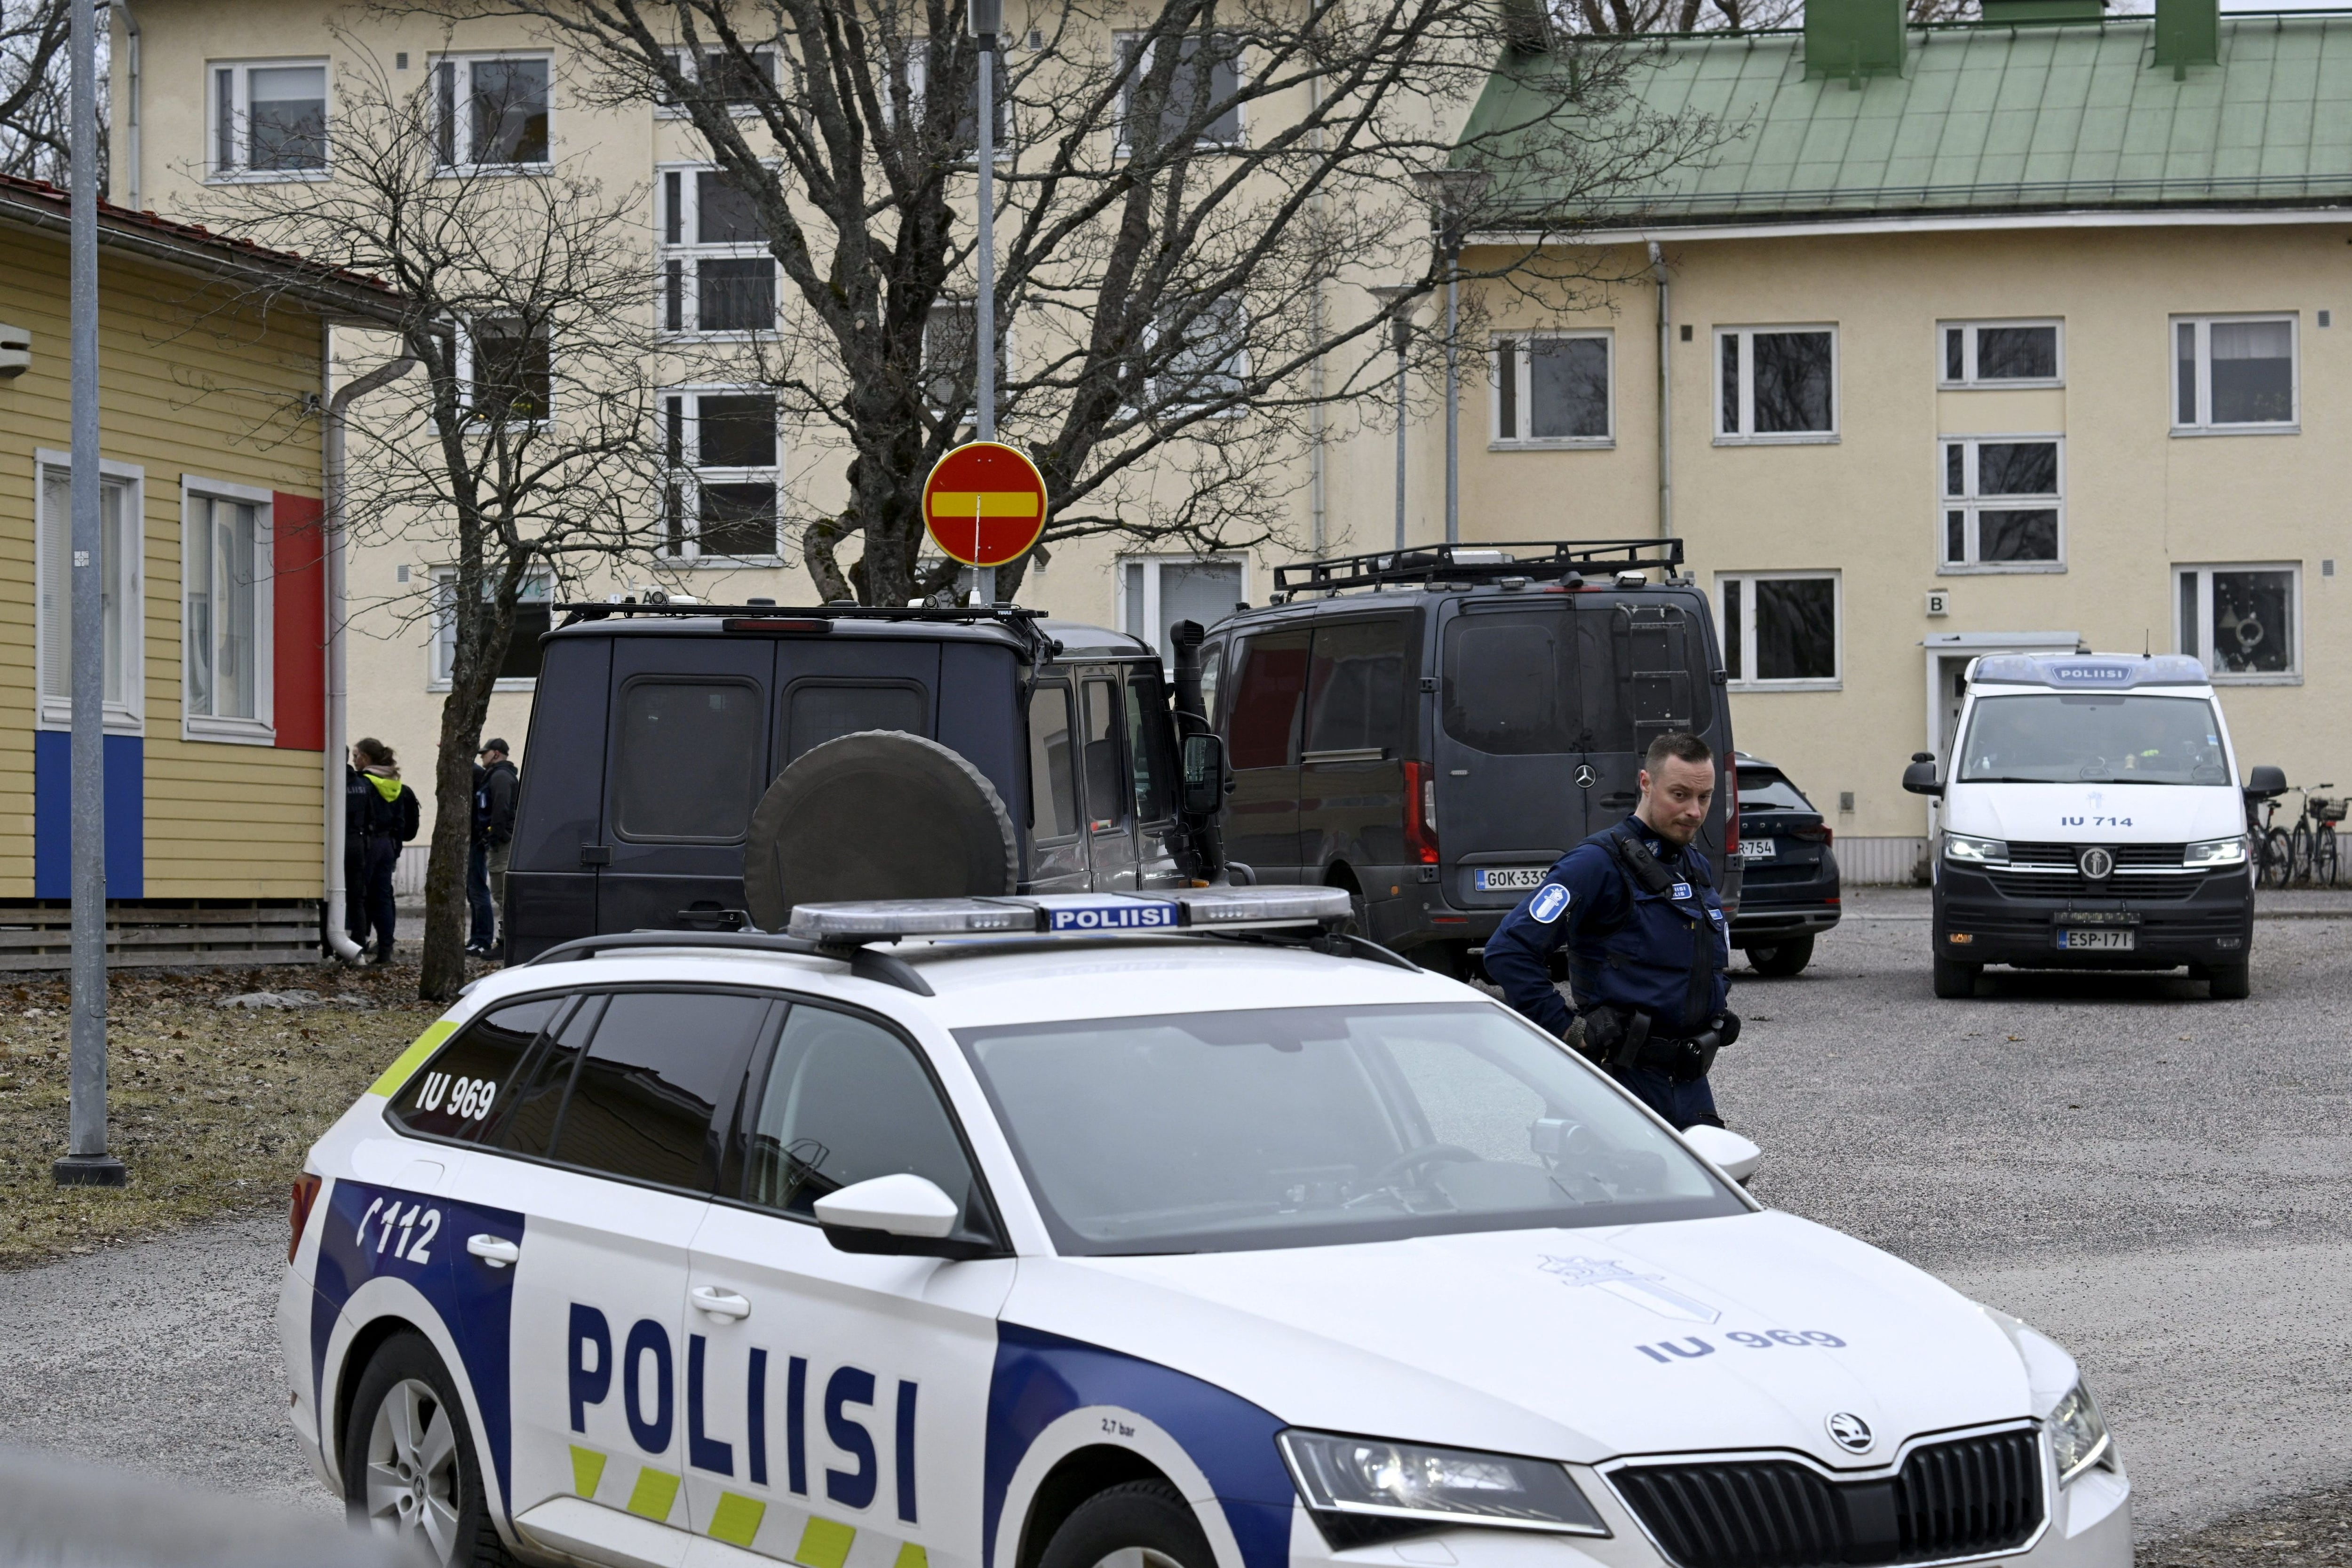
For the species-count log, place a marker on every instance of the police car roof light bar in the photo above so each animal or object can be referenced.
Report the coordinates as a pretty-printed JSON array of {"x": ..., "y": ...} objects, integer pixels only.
[
  {"x": 1467, "y": 562},
  {"x": 1181, "y": 910}
]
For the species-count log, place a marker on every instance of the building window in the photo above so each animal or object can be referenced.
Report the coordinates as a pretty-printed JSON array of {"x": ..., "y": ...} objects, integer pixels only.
[
  {"x": 726, "y": 477},
  {"x": 966, "y": 134},
  {"x": 951, "y": 353},
  {"x": 1776, "y": 384},
  {"x": 2245, "y": 623},
  {"x": 717, "y": 274},
  {"x": 490, "y": 111},
  {"x": 534, "y": 614},
  {"x": 2002, "y": 354},
  {"x": 726, "y": 77},
  {"x": 1551, "y": 389},
  {"x": 2003, "y": 502},
  {"x": 1209, "y": 363},
  {"x": 1780, "y": 629},
  {"x": 2232, "y": 373},
  {"x": 269, "y": 119},
  {"x": 1155, "y": 592},
  {"x": 121, "y": 587},
  {"x": 510, "y": 371},
  {"x": 226, "y": 612},
  {"x": 1203, "y": 92}
]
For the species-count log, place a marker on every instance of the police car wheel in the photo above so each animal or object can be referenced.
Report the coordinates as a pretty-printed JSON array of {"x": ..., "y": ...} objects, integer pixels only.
[
  {"x": 408, "y": 1459},
  {"x": 1138, "y": 1524}
]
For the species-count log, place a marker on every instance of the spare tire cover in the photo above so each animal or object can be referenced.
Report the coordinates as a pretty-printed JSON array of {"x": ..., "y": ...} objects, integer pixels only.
[{"x": 879, "y": 813}]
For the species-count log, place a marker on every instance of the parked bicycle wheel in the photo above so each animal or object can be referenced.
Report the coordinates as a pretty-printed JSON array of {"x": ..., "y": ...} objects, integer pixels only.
[
  {"x": 2298, "y": 851},
  {"x": 2274, "y": 860},
  {"x": 2323, "y": 856}
]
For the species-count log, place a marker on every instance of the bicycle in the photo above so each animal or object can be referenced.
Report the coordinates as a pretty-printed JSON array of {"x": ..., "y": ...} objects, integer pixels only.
[
  {"x": 2272, "y": 851},
  {"x": 2311, "y": 847}
]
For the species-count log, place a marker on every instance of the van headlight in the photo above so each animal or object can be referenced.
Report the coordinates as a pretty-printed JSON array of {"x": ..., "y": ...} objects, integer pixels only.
[
  {"x": 1352, "y": 1483},
  {"x": 1970, "y": 851},
  {"x": 2216, "y": 852},
  {"x": 2078, "y": 1437}
]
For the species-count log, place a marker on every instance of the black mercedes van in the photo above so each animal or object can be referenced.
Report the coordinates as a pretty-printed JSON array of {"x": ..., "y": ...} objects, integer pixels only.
[
  {"x": 1432, "y": 729},
  {"x": 658, "y": 731}
]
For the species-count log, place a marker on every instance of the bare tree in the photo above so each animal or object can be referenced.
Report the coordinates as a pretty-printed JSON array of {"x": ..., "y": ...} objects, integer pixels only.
[
  {"x": 1187, "y": 214},
  {"x": 33, "y": 130},
  {"x": 524, "y": 450}
]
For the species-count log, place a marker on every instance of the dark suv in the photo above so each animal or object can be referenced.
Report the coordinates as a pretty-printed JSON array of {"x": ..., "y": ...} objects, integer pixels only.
[
  {"x": 657, "y": 733},
  {"x": 1788, "y": 874},
  {"x": 1432, "y": 729}
]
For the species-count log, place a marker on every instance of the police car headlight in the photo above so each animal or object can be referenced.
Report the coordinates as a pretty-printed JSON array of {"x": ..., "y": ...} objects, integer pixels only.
[
  {"x": 1352, "y": 1483},
  {"x": 2078, "y": 1437},
  {"x": 1970, "y": 851},
  {"x": 2216, "y": 852}
]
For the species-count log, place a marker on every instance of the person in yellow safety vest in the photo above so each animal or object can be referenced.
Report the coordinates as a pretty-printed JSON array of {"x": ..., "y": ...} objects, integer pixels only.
[{"x": 380, "y": 815}]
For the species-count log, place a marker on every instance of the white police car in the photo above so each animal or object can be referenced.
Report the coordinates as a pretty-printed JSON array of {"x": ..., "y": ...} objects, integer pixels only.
[{"x": 1136, "y": 1248}]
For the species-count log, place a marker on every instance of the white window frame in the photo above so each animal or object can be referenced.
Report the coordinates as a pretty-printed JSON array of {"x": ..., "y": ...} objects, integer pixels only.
[
  {"x": 461, "y": 158},
  {"x": 1969, "y": 380},
  {"x": 1152, "y": 563},
  {"x": 129, "y": 716},
  {"x": 1972, "y": 503},
  {"x": 690, "y": 67},
  {"x": 2203, "y": 571},
  {"x": 1524, "y": 375},
  {"x": 1740, "y": 679},
  {"x": 441, "y": 650},
  {"x": 919, "y": 71},
  {"x": 2291, "y": 425},
  {"x": 1240, "y": 138},
  {"x": 689, "y": 475},
  {"x": 1005, "y": 339},
  {"x": 1743, "y": 436},
  {"x": 686, "y": 251},
  {"x": 466, "y": 378},
  {"x": 1240, "y": 359},
  {"x": 241, "y": 72},
  {"x": 261, "y": 730}
]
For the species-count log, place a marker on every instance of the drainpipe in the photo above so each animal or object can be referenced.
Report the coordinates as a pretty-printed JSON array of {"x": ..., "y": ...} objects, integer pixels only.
[
  {"x": 130, "y": 151},
  {"x": 1665, "y": 393},
  {"x": 338, "y": 669}
]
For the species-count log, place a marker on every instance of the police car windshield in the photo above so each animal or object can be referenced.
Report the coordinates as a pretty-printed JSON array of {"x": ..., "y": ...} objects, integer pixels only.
[
  {"x": 1317, "y": 1126},
  {"x": 2108, "y": 737}
]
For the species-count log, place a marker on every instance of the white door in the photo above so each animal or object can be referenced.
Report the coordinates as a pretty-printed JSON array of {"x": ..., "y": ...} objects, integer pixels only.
[
  {"x": 610, "y": 1153},
  {"x": 836, "y": 1405}
]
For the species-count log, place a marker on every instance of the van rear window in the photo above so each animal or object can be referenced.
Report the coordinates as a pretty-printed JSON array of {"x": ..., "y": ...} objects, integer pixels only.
[
  {"x": 1597, "y": 679},
  {"x": 818, "y": 712},
  {"x": 687, "y": 760}
]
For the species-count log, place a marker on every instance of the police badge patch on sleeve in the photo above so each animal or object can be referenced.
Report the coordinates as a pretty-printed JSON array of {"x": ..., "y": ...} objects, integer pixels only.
[
  {"x": 1548, "y": 904},
  {"x": 1679, "y": 891}
]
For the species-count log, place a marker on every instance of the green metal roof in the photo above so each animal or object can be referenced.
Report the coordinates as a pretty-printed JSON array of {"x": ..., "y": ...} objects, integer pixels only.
[{"x": 1985, "y": 118}]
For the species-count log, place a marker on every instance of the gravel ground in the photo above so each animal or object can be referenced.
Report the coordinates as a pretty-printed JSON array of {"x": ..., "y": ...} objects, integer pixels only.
[{"x": 2157, "y": 1180}]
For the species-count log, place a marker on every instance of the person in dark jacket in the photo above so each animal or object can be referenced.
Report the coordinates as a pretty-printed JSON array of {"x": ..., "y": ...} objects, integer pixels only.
[
  {"x": 380, "y": 815},
  {"x": 1648, "y": 947},
  {"x": 496, "y": 784}
]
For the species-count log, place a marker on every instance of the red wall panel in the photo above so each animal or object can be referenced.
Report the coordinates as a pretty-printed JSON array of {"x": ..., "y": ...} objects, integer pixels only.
[{"x": 297, "y": 559}]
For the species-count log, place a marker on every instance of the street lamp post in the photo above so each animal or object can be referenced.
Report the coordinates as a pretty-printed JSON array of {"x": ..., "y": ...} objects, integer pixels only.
[
  {"x": 1392, "y": 298},
  {"x": 1450, "y": 193},
  {"x": 986, "y": 19}
]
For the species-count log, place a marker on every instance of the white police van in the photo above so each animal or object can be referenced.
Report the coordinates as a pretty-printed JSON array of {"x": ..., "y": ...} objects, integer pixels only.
[
  {"x": 1100, "y": 1231},
  {"x": 2092, "y": 819}
]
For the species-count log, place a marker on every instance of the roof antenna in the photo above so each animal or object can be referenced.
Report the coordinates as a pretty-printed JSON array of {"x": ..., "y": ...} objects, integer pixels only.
[{"x": 2146, "y": 641}]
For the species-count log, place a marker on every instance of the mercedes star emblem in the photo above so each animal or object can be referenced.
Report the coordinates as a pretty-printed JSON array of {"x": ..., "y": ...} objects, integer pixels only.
[
  {"x": 1586, "y": 775},
  {"x": 1849, "y": 1432},
  {"x": 2097, "y": 864}
]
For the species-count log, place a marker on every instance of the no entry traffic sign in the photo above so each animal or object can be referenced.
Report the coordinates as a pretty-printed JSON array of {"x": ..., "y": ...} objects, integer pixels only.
[{"x": 985, "y": 504}]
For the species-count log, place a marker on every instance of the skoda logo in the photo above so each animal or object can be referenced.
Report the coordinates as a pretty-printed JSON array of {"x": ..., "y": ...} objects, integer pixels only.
[
  {"x": 2097, "y": 864},
  {"x": 1849, "y": 1432},
  {"x": 1586, "y": 775}
]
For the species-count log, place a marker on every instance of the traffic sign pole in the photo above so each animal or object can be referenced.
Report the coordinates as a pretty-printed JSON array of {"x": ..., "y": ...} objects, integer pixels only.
[{"x": 986, "y": 17}]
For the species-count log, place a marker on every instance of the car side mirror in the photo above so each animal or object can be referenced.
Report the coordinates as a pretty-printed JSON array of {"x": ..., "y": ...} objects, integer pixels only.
[
  {"x": 1919, "y": 778},
  {"x": 2266, "y": 782},
  {"x": 1206, "y": 777},
  {"x": 900, "y": 1216},
  {"x": 1727, "y": 1151}
]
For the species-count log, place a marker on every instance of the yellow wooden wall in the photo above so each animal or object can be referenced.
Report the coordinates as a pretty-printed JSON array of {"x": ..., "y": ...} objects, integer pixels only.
[{"x": 192, "y": 382}]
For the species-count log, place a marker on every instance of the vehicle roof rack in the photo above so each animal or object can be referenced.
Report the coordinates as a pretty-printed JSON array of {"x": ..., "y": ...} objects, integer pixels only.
[
  {"x": 1020, "y": 619},
  {"x": 1472, "y": 563},
  {"x": 863, "y": 962}
]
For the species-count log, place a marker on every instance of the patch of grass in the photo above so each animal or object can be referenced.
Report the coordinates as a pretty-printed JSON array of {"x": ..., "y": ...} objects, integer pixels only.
[{"x": 211, "y": 1108}]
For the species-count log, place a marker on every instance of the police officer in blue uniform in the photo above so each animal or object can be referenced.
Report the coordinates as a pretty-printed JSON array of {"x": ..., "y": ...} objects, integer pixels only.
[{"x": 1648, "y": 946}]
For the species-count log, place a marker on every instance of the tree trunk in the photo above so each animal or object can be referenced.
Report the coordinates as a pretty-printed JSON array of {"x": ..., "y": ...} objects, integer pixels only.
[{"x": 447, "y": 915}]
